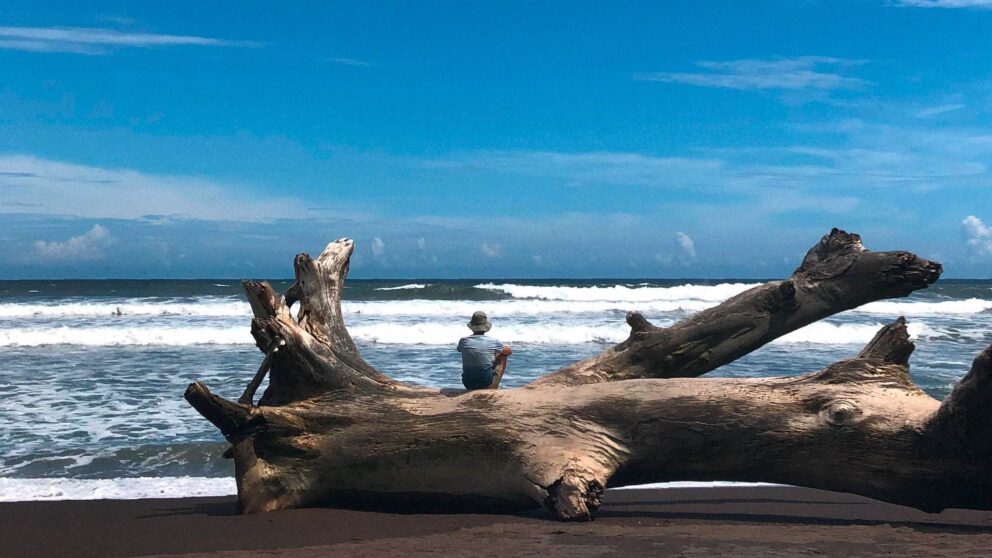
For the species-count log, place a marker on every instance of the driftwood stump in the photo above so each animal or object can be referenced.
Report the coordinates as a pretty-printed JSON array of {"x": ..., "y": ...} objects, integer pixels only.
[{"x": 332, "y": 430}]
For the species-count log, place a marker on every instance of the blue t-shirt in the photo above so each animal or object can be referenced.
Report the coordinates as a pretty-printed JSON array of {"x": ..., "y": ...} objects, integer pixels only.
[{"x": 478, "y": 352}]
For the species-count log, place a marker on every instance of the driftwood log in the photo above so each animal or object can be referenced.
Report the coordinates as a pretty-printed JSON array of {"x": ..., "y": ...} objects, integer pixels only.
[{"x": 332, "y": 430}]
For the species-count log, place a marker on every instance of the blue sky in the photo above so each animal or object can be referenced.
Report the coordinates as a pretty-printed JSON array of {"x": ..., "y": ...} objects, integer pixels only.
[{"x": 471, "y": 139}]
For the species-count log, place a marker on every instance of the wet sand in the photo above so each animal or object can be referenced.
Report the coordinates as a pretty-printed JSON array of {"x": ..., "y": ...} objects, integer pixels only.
[{"x": 733, "y": 521}]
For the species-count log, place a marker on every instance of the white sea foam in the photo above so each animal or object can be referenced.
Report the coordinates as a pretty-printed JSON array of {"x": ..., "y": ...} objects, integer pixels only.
[
  {"x": 541, "y": 306},
  {"x": 947, "y": 307},
  {"x": 839, "y": 334},
  {"x": 462, "y": 309},
  {"x": 49, "y": 489},
  {"x": 431, "y": 333},
  {"x": 123, "y": 335},
  {"x": 403, "y": 287},
  {"x": 699, "y": 297},
  {"x": 418, "y": 307},
  {"x": 207, "y": 308},
  {"x": 18, "y": 490},
  {"x": 530, "y": 301},
  {"x": 410, "y": 333},
  {"x": 691, "y": 303},
  {"x": 622, "y": 293},
  {"x": 423, "y": 333}
]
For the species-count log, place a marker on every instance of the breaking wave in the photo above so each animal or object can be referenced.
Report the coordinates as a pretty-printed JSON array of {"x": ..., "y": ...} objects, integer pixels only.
[
  {"x": 448, "y": 333},
  {"x": 462, "y": 309},
  {"x": 404, "y": 287},
  {"x": 622, "y": 293},
  {"x": 826, "y": 333},
  {"x": 210, "y": 308},
  {"x": 19, "y": 490},
  {"x": 414, "y": 333},
  {"x": 527, "y": 301},
  {"x": 947, "y": 307},
  {"x": 120, "y": 336}
]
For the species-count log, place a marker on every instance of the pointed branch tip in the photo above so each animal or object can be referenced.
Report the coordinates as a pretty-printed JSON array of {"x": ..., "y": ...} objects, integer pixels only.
[
  {"x": 638, "y": 323},
  {"x": 891, "y": 344}
]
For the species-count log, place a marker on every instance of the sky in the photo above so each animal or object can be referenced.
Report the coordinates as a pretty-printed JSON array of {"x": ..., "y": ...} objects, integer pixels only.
[{"x": 498, "y": 140}]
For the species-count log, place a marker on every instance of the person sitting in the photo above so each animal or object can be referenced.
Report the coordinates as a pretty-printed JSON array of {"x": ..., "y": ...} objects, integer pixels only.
[{"x": 483, "y": 358}]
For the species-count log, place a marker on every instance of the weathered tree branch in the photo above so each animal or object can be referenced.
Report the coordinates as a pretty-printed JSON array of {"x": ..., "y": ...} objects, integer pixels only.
[
  {"x": 332, "y": 430},
  {"x": 837, "y": 274},
  {"x": 228, "y": 417}
]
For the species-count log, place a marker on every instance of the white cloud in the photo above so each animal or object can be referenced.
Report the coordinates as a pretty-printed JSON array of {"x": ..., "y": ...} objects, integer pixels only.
[
  {"x": 421, "y": 243},
  {"x": 53, "y": 187},
  {"x": 922, "y": 157},
  {"x": 349, "y": 62},
  {"x": 941, "y": 109},
  {"x": 92, "y": 40},
  {"x": 978, "y": 235},
  {"x": 774, "y": 188},
  {"x": 806, "y": 72},
  {"x": 981, "y": 4},
  {"x": 686, "y": 244},
  {"x": 85, "y": 247},
  {"x": 594, "y": 166},
  {"x": 877, "y": 156},
  {"x": 772, "y": 172},
  {"x": 378, "y": 246},
  {"x": 492, "y": 250},
  {"x": 832, "y": 169}
]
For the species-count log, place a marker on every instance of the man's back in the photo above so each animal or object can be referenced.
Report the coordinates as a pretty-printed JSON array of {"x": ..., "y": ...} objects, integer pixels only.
[{"x": 478, "y": 352}]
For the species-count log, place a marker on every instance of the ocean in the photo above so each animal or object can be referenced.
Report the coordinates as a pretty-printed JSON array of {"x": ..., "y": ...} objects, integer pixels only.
[{"x": 93, "y": 372}]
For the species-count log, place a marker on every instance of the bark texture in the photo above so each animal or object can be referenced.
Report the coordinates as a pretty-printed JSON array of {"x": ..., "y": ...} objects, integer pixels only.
[{"x": 332, "y": 430}]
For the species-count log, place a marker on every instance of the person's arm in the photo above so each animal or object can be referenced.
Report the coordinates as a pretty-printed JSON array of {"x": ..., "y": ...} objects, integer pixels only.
[
  {"x": 461, "y": 344},
  {"x": 507, "y": 351}
]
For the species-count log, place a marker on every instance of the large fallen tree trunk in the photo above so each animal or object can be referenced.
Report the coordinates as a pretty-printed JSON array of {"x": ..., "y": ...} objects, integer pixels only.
[{"x": 330, "y": 429}]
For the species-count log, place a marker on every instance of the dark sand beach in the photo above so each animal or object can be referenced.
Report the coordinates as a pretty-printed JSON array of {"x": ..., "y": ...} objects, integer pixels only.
[{"x": 733, "y": 521}]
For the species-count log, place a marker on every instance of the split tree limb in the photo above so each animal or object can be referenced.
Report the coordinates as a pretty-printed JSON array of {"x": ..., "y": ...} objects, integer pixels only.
[{"x": 317, "y": 353}]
